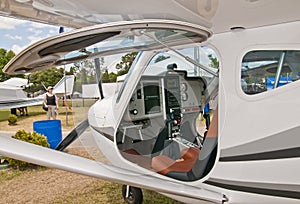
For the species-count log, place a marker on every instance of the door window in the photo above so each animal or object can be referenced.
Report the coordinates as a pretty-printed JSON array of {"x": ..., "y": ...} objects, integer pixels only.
[{"x": 265, "y": 70}]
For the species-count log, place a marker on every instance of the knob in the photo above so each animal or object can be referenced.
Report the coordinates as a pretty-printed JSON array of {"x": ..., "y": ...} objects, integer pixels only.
[
  {"x": 132, "y": 99},
  {"x": 134, "y": 111}
]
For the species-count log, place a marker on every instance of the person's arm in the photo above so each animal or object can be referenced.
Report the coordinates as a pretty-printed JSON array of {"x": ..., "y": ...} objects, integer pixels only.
[
  {"x": 45, "y": 100},
  {"x": 56, "y": 101}
]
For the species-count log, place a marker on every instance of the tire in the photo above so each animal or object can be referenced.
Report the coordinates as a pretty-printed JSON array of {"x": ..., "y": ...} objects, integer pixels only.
[{"x": 135, "y": 195}]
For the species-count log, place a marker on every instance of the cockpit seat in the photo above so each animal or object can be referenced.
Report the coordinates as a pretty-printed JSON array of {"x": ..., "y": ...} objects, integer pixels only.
[
  {"x": 192, "y": 166},
  {"x": 180, "y": 168},
  {"x": 135, "y": 157}
]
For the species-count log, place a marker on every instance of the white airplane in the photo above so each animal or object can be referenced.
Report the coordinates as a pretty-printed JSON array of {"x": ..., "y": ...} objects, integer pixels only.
[
  {"x": 12, "y": 94},
  {"x": 148, "y": 130}
]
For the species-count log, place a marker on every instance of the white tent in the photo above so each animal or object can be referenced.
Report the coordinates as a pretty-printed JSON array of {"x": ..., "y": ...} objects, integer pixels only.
[
  {"x": 9, "y": 93},
  {"x": 59, "y": 88},
  {"x": 15, "y": 82},
  {"x": 92, "y": 91}
]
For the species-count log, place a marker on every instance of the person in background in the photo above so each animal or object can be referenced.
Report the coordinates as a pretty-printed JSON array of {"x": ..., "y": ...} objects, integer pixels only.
[
  {"x": 51, "y": 101},
  {"x": 23, "y": 111},
  {"x": 206, "y": 115}
]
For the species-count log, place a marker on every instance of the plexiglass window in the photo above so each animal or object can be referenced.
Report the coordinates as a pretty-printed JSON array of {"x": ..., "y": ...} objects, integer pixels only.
[{"x": 265, "y": 70}]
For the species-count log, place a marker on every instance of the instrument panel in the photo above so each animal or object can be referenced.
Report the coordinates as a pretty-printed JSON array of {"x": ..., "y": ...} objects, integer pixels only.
[{"x": 168, "y": 96}]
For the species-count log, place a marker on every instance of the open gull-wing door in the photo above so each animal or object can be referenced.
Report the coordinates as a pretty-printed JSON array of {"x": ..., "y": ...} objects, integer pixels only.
[{"x": 105, "y": 39}]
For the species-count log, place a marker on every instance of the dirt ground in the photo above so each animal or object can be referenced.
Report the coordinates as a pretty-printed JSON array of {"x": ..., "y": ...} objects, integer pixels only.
[
  {"x": 54, "y": 186},
  {"x": 50, "y": 186}
]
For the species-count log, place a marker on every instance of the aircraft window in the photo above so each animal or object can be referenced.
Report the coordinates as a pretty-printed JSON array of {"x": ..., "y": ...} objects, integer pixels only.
[
  {"x": 76, "y": 43},
  {"x": 265, "y": 70}
]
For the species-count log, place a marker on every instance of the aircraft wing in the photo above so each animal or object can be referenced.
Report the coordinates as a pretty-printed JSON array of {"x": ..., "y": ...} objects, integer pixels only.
[
  {"x": 8, "y": 104},
  {"x": 215, "y": 13},
  {"x": 16, "y": 149},
  {"x": 14, "y": 97},
  {"x": 78, "y": 13}
]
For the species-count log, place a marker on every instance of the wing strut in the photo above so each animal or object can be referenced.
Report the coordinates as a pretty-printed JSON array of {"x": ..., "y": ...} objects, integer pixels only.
[{"x": 73, "y": 135}]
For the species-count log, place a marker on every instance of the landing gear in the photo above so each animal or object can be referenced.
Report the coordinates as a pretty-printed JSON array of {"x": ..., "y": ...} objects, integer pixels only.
[{"x": 132, "y": 195}]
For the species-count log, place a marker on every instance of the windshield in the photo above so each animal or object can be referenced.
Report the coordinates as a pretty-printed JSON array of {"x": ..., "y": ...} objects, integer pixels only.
[
  {"x": 200, "y": 54},
  {"x": 159, "y": 65}
]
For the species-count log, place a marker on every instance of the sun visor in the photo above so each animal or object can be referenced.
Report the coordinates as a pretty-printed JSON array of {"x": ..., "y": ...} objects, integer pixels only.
[{"x": 105, "y": 39}]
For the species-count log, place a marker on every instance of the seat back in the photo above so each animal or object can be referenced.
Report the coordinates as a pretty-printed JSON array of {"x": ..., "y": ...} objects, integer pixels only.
[{"x": 208, "y": 151}]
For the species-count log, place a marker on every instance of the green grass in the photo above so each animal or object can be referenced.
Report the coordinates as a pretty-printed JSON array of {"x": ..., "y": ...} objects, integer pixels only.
[
  {"x": 9, "y": 174},
  {"x": 4, "y": 114},
  {"x": 32, "y": 110}
]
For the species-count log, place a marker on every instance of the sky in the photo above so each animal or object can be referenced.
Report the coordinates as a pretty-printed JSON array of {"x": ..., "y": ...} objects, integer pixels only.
[{"x": 18, "y": 34}]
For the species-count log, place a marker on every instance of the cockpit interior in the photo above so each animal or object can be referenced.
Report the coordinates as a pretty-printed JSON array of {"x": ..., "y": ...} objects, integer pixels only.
[{"x": 164, "y": 129}]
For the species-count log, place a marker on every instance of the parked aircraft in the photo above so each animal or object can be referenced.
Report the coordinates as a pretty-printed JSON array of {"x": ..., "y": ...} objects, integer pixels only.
[
  {"x": 148, "y": 130},
  {"x": 12, "y": 94}
]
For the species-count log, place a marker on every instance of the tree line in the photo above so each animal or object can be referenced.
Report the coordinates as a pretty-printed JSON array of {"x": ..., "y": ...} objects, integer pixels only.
[{"x": 84, "y": 72}]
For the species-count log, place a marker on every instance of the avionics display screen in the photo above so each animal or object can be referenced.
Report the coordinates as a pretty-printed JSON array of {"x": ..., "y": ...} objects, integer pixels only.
[
  {"x": 172, "y": 83},
  {"x": 151, "y": 98}
]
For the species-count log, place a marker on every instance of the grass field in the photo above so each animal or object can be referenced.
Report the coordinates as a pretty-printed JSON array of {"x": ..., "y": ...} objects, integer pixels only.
[
  {"x": 4, "y": 114},
  {"x": 36, "y": 113}
]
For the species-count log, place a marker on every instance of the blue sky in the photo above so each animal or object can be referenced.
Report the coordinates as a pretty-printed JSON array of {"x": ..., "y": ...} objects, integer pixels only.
[{"x": 18, "y": 34}]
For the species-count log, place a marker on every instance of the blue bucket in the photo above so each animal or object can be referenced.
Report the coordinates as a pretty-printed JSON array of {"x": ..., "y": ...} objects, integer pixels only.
[{"x": 51, "y": 129}]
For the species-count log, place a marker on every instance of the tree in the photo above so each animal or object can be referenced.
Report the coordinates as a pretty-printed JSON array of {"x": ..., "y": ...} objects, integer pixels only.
[
  {"x": 47, "y": 77},
  {"x": 108, "y": 77},
  {"x": 105, "y": 77},
  {"x": 161, "y": 58},
  {"x": 214, "y": 62},
  {"x": 113, "y": 77},
  {"x": 5, "y": 57},
  {"x": 126, "y": 62}
]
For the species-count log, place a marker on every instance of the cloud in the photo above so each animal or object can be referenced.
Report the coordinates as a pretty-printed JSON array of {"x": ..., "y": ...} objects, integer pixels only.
[
  {"x": 35, "y": 31},
  {"x": 34, "y": 39},
  {"x": 41, "y": 25},
  {"x": 17, "y": 49},
  {"x": 16, "y": 37},
  {"x": 10, "y": 23}
]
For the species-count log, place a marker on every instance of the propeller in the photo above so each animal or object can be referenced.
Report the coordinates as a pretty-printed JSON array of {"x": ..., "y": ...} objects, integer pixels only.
[{"x": 73, "y": 135}]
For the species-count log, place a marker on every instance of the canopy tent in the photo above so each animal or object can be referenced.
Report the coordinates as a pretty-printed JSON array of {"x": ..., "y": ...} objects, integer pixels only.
[
  {"x": 15, "y": 82},
  {"x": 59, "y": 88},
  {"x": 92, "y": 90}
]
